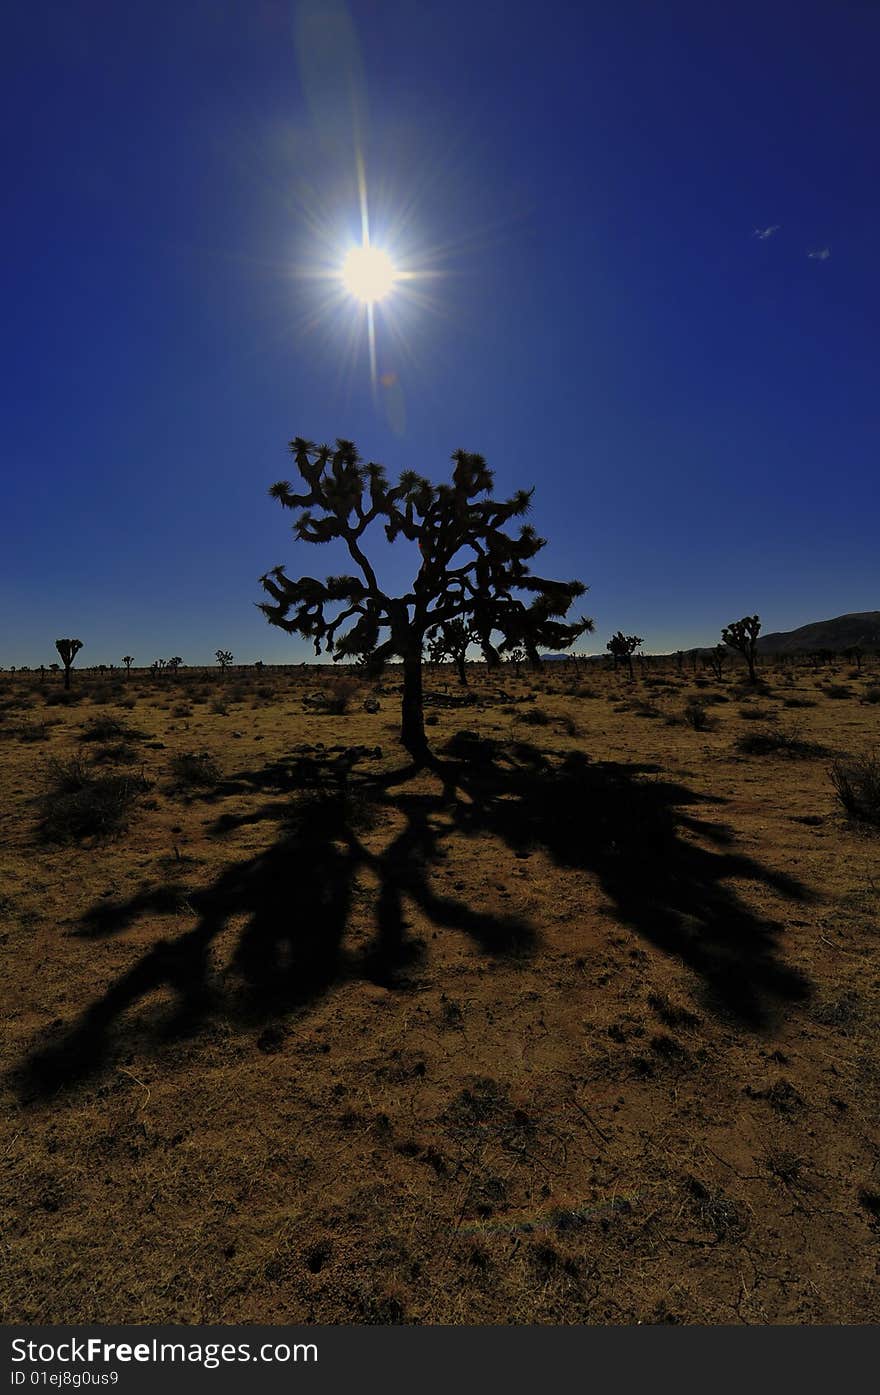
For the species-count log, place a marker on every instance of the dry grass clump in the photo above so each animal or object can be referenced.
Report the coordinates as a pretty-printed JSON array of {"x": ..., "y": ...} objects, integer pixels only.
[
  {"x": 194, "y": 770},
  {"x": 772, "y": 742},
  {"x": 856, "y": 782},
  {"x": 80, "y": 804},
  {"x": 696, "y": 716},
  {"x": 105, "y": 729}
]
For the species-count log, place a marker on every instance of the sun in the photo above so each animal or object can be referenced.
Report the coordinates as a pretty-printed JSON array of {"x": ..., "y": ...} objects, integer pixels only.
[{"x": 368, "y": 273}]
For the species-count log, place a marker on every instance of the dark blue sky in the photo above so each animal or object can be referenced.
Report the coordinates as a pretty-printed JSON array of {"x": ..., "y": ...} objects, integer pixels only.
[{"x": 698, "y": 407}]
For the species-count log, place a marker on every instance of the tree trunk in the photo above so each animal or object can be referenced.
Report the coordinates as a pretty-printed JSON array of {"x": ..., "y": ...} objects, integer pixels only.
[
  {"x": 462, "y": 672},
  {"x": 412, "y": 730},
  {"x": 67, "y": 675}
]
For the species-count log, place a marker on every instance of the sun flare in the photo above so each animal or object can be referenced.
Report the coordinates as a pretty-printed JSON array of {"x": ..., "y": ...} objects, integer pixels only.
[{"x": 368, "y": 273}]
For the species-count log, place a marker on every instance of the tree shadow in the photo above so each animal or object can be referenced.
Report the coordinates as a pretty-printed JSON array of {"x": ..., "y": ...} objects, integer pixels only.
[
  {"x": 635, "y": 833},
  {"x": 289, "y": 907}
]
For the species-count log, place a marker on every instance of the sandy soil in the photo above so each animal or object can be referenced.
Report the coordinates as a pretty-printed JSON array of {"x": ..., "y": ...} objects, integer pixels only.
[{"x": 582, "y": 1028}]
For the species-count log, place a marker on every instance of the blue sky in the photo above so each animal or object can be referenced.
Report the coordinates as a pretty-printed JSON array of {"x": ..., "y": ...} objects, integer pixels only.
[{"x": 574, "y": 188}]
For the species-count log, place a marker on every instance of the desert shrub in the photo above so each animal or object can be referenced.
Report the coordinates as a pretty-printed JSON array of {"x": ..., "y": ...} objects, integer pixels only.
[
  {"x": 195, "y": 769},
  {"x": 62, "y": 697},
  {"x": 856, "y": 782},
  {"x": 696, "y": 716},
  {"x": 115, "y": 753},
  {"x": 219, "y": 709},
  {"x": 182, "y": 709},
  {"x": 872, "y": 695},
  {"x": 535, "y": 717},
  {"x": 837, "y": 690},
  {"x": 569, "y": 726},
  {"x": 757, "y": 714},
  {"x": 798, "y": 702},
  {"x": 108, "y": 729},
  {"x": 772, "y": 741},
  {"x": 79, "y": 804},
  {"x": 33, "y": 731}
]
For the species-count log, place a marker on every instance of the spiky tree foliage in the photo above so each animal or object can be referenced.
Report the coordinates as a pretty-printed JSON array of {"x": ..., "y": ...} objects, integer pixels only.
[
  {"x": 451, "y": 640},
  {"x": 470, "y": 570},
  {"x": 174, "y": 664},
  {"x": 68, "y": 650},
  {"x": 623, "y": 647},
  {"x": 224, "y": 659},
  {"x": 128, "y": 660},
  {"x": 743, "y": 635}
]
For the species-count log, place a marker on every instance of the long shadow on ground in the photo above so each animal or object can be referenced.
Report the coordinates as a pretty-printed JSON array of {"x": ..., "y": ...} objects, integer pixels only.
[{"x": 620, "y": 824}]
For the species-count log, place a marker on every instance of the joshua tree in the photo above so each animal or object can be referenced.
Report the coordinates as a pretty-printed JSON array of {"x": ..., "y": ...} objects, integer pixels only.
[
  {"x": 743, "y": 635},
  {"x": 128, "y": 660},
  {"x": 224, "y": 659},
  {"x": 452, "y": 638},
  {"x": 174, "y": 664},
  {"x": 470, "y": 568},
  {"x": 855, "y": 654},
  {"x": 717, "y": 657},
  {"x": 68, "y": 650},
  {"x": 623, "y": 647},
  {"x": 516, "y": 656}
]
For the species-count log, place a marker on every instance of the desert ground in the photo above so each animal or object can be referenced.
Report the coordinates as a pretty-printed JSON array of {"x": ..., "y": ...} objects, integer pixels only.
[{"x": 579, "y": 1027}]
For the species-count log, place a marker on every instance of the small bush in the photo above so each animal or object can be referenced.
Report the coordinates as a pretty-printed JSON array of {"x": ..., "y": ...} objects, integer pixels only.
[
  {"x": 62, "y": 697},
  {"x": 798, "y": 702},
  {"x": 837, "y": 690},
  {"x": 856, "y": 783},
  {"x": 33, "y": 731},
  {"x": 220, "y": 709},
  {"x": 535, "y": 717},
  {"x": 757, "y": 714},
  {"x": 773, "y": 742},
  {"x": 872, "y": 695},
  {"x": 195, "y": 769},
  {"x": 696, "y": 716},
  {"x": 116, "y": 753},
  {"x": 108, "y": 729},
  {"x": 79, "y": 804}
]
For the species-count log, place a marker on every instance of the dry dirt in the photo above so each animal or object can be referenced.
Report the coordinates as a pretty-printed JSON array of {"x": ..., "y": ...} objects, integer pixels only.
[{"x": 581, "y": 1028}]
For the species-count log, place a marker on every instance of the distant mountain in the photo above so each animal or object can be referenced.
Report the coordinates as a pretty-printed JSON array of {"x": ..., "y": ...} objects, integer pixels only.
[{"x": 861, "y": 629}]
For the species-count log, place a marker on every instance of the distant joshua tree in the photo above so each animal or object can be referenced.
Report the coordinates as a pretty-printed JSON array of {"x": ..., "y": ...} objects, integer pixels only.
[
  {"x": 717, "y": 658},
  {"x": 855, "y": 654},
  {"x": 173, "y": 665},
  {"x": 623, "y": 647},
  {"x": 470, "y": 568},
  {"x": 68, "y": 650},
  {"x": 743, "y": 635},
  {"x": 451, "y": 640},
  {"x": 224, "y": 659},
  {"x": 128, "y": 660}
]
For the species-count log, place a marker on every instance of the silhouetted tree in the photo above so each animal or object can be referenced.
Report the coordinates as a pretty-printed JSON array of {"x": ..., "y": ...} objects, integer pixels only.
[
  {"x": 517, "y": 657},
  {"x": 128, "y": 660},
  {"x": 717, "y": 657},
  {"x": 68, "y": 650},
  {"x": 470, "y": 569},
  {"x": 224, "y": 659},
  {"x": 855, "y": 654},
  {"x": 743, "y": 635},
  {"x": 174, "y": 664},
  {"x": 623, "y": 647},
  {"x": 452, "y": 639}
]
